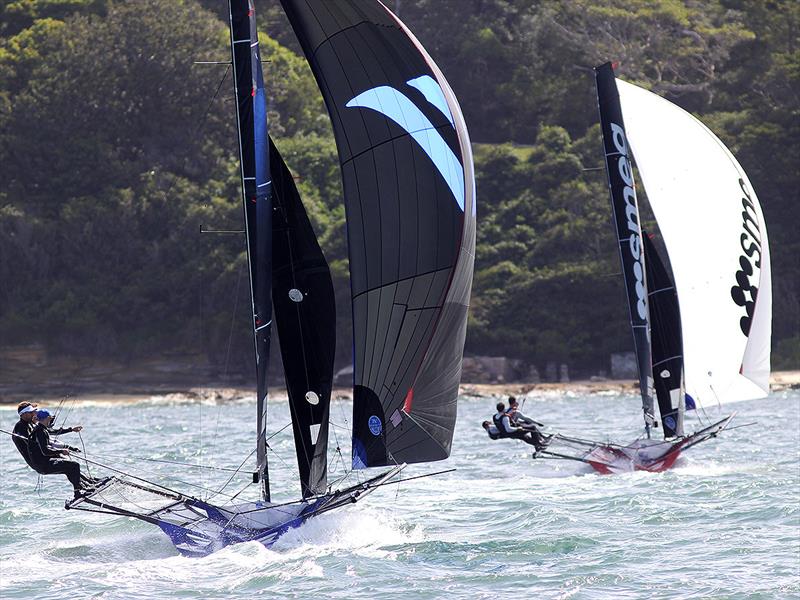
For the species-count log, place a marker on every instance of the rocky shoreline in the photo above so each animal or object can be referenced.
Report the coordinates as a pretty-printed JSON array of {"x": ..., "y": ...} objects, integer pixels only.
[{"x": 117, "y": 392}]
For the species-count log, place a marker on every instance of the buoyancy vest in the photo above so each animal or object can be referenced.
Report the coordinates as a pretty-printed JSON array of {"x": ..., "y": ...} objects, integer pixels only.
[{"x": 498, "y": 423}]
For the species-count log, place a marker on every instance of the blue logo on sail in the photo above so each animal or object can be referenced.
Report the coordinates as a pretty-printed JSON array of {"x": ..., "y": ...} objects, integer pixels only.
[
  {"x": 375, "y": 425},
  {"x": 400, "y": 109}
]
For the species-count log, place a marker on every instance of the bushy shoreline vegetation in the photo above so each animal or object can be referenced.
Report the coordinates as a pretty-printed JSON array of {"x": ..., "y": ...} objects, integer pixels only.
[{"x": 116, "y": 150}]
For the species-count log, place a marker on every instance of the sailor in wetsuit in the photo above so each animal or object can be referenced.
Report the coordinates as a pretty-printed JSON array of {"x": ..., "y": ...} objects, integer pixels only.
[
  {"x": 24, "y": 428},
  {"x": 520, "y": 420},
  {"x": 46, "y": 455},
  {"x": 506, "y": 430}
]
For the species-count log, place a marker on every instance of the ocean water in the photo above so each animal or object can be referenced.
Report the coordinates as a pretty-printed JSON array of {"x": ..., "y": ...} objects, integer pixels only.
[{"x": 725, "y": 523}]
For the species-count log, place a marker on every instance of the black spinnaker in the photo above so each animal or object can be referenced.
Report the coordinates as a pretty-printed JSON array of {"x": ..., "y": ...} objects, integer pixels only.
[{"x": 409, "y": 195}]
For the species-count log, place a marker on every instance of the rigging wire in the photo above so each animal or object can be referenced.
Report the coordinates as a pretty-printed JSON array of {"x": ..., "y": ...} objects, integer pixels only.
[
  {"x": 251, "y": 454},
  {"x": 234, "y": 475},
  {"x": 83, "y": 447},
  {"x": 163, "y": 460},
  {"x": 229, "y": 343},
  {"x": 394, "y": 482},
  {"x": 147, "y": 481},
  {"x": 338, "y": 457},
  {"x": 230, "y": 340},
  {"x": 132, "y": 476}
]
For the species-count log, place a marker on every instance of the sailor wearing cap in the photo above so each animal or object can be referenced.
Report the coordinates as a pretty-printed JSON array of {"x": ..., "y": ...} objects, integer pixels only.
[
  {"x": 43, "y": 454},
  {"x": 46, "y": 458},
  {"x": 24, "y": 428}
]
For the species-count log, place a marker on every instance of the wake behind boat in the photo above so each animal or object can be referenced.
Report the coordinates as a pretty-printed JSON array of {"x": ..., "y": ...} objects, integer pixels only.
[
  {"x": 701, "y": 334},
  {"x": 409, "y": 192}
]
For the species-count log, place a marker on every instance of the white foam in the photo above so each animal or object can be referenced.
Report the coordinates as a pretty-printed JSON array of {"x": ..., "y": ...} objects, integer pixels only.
[{"x": 365, "y": 531}]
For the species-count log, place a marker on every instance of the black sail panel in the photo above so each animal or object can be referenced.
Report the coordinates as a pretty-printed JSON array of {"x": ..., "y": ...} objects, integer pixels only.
[
  {"x": 619, "y": 169},
  {"x": 256, "y": 196},
  {"x": 305, "y": 314},
  {"x": 410, "y": 202},
  {"x": 665, "y": 331}
]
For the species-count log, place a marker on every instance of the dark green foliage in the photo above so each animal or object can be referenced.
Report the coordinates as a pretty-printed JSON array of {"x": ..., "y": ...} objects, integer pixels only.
[
  {"x": 546, "y": 253},
  {"x": 115, "y": 150}
]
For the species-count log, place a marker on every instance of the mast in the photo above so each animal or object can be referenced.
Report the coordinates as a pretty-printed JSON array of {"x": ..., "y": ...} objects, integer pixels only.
[
  {"x": 251, "y": 119},
  {"x": 619, "y": 171}
]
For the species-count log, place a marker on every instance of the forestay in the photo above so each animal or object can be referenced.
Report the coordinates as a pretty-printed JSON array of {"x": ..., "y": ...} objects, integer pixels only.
[
  {"x": 716, "y": 239},
  {"x": 410, "y": 200}
]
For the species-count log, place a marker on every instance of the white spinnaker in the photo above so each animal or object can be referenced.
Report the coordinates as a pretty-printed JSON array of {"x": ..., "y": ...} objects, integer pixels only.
[{"x": 693, "y": 185}]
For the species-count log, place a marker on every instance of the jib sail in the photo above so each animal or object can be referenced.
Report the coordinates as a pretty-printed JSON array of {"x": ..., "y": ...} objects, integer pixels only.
[
  {"x": 305, "y": 314},
  {"x": 619, "y": 169},
  {"x": 257, "y": 199},
  {"x": 665, "y": 333},
  {"x": 410, "y": 200}
]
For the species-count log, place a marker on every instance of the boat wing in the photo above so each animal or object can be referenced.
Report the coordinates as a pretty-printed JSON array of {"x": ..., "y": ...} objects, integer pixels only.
[{"x": 197, "y": 527}]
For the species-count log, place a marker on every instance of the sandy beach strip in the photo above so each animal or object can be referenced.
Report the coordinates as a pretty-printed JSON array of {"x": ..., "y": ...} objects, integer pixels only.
[{"x": 211, "y": 394}]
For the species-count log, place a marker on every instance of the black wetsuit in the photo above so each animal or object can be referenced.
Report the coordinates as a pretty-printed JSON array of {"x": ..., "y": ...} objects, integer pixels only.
[
  {"x": 23, "y": 429},
  {"x": 47, "y": 460}
]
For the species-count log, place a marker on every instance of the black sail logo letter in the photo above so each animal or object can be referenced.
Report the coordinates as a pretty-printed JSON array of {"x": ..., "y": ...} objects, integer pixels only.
[{"x": 745, "y": 291}]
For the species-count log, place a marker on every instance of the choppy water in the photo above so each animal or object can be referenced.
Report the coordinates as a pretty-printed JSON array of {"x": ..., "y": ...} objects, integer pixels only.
[{"x": 724, "y": 524}]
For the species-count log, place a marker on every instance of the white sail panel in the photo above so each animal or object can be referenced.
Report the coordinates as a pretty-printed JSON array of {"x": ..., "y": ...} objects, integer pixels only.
[{"x": 716, "y": 238}]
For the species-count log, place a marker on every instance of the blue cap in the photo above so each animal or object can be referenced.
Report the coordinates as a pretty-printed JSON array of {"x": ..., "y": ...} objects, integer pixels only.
[{"x": 42, "y": 414}]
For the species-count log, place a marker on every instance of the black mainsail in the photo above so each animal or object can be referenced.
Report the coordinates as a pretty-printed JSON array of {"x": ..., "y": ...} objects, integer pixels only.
[
  {"x": 305, "y": 314},
  {"x": 251, "y": 105},
  {"x": 665, "y": 333},
  {"x": 410, "y": 201},
  {"x": 619, "y": 170}
]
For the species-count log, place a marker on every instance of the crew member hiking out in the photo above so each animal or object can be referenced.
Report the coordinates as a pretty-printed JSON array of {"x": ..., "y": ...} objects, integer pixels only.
[
  {"x": 506, "y": 430},
  {"x": 23, "y": 429},
  {"x": 46, "y": 456},
  {"x": 493, "y": 432},
  {"x": 517, "y": 418}
]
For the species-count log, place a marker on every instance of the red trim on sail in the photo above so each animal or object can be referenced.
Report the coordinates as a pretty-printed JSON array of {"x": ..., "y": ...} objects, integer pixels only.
[{"x": 408, "y": 401}]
